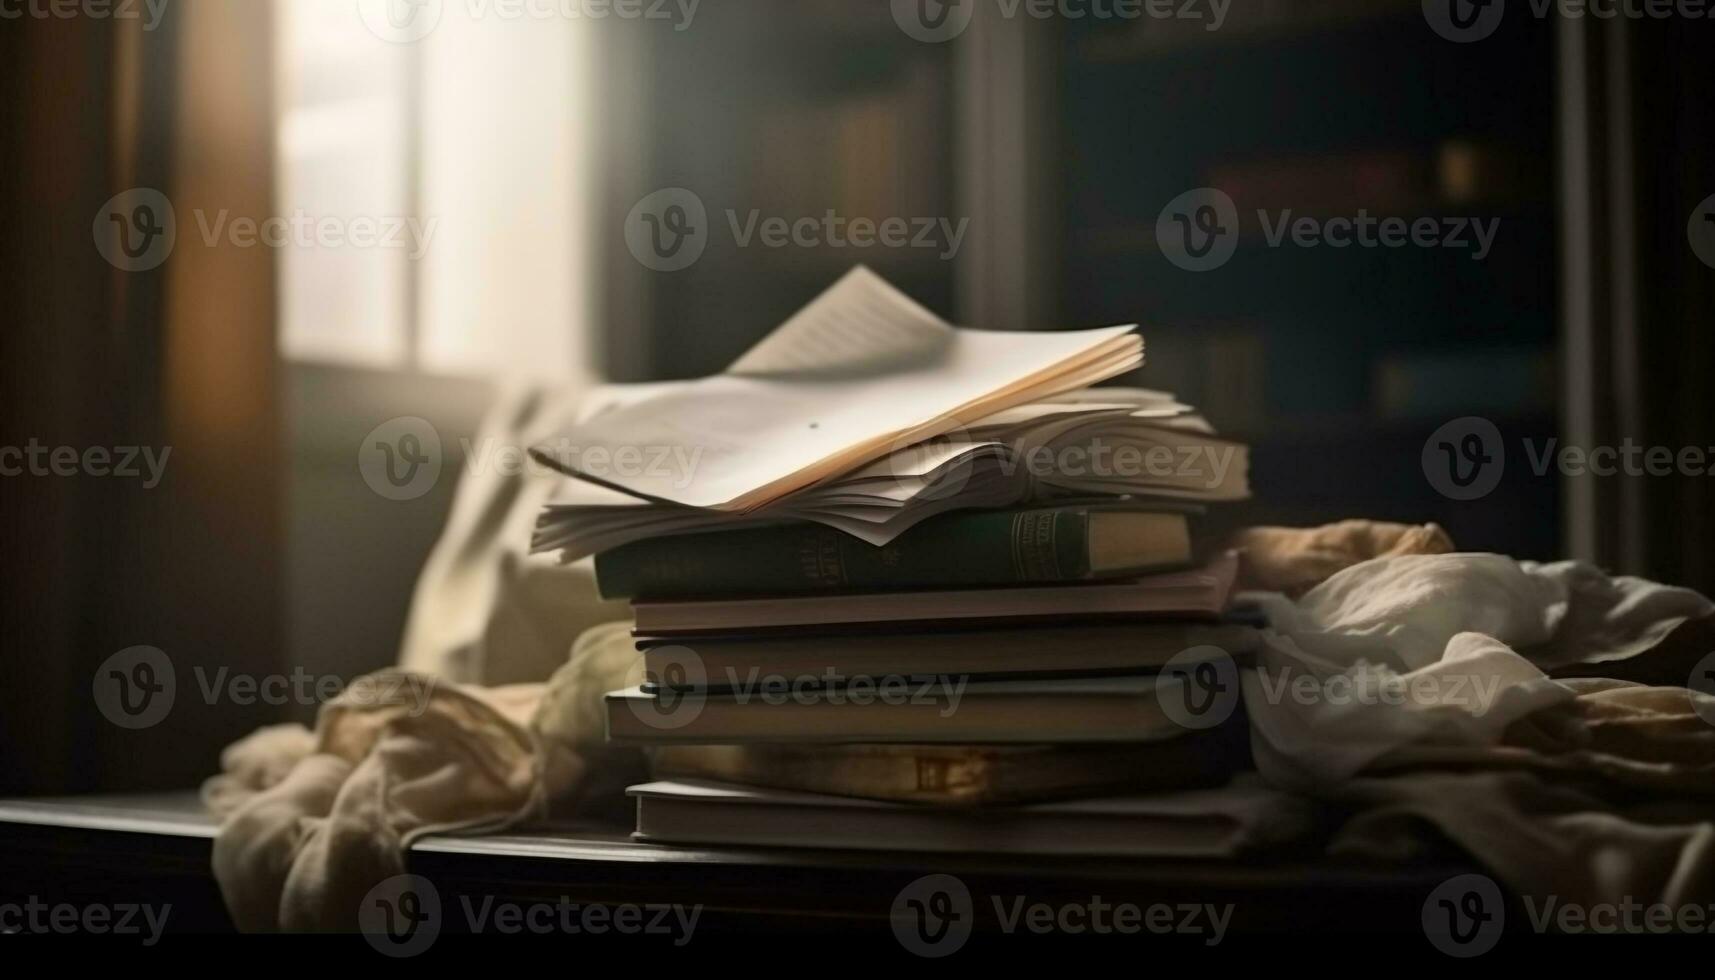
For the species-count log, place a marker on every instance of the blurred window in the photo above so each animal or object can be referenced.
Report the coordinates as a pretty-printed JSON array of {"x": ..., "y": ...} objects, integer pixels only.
[{"x": 437, "y": 192}]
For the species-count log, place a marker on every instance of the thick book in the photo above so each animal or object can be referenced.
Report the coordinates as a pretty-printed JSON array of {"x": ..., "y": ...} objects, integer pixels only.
[
  {"x": 1201, "y": 593},
  {"x": 724, "y": 662},
  {"x": 1226, "y": 822},
  {"x": 965, "y": 549},
  {"x": 935, "y": 711},
  {"x": 964, "y": 775}
]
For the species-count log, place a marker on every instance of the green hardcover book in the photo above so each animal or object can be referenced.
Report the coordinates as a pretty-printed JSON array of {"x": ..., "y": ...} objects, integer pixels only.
[{"x": 959, "y": 550}]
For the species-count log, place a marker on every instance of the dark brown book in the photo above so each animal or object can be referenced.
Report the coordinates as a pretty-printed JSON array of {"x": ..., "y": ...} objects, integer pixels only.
[{"x": 1201, "y": 593}]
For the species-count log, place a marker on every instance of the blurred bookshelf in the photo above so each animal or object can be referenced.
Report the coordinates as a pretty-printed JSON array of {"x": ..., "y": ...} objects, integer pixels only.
[
  {"x": 1337, "y": 364},
  {"x": 790, "y": 111}
]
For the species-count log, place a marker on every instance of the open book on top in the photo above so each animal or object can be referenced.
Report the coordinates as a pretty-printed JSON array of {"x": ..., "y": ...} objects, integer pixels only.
[{"x": 860, "y": 372}]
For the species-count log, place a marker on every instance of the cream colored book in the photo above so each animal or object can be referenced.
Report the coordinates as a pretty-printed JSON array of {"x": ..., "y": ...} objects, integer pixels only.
[{"x": 1242, "y": 817}]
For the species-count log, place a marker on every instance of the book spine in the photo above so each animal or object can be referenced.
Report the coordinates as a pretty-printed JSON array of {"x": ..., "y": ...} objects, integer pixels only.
[{"x": 954, "y": 551}]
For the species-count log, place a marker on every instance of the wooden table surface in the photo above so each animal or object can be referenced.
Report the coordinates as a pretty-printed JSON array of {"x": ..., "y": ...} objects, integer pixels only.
[{"x": 156, "y": 848}]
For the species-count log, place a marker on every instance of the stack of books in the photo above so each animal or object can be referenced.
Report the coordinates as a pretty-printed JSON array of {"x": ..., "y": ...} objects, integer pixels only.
[{"x": 918, "y": 587}]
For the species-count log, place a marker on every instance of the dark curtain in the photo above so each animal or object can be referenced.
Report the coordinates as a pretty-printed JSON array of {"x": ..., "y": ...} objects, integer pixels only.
[
  {"x": 1638, "y": 161},
  {"x": 180, "y": 357},
  {"x": 1674, "y": 132}
]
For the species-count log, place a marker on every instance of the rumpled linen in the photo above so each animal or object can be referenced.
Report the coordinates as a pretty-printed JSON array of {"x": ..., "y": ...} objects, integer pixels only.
[{"x": 1535, "y": 717}]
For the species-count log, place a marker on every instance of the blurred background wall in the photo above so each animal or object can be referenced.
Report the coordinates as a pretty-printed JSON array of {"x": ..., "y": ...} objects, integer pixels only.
[{"x": 510, "y": 153}]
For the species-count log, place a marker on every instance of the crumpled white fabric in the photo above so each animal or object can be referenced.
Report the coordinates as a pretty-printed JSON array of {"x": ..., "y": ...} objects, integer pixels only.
[
  {"x": 314, "y": 819},
  {"x": 486, "y": 611},
  {"x": 1450, "y": 649}
]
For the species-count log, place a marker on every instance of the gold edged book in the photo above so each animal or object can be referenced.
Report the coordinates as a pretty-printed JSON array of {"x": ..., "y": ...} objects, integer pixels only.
[{"x": 962, "y": 775}]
